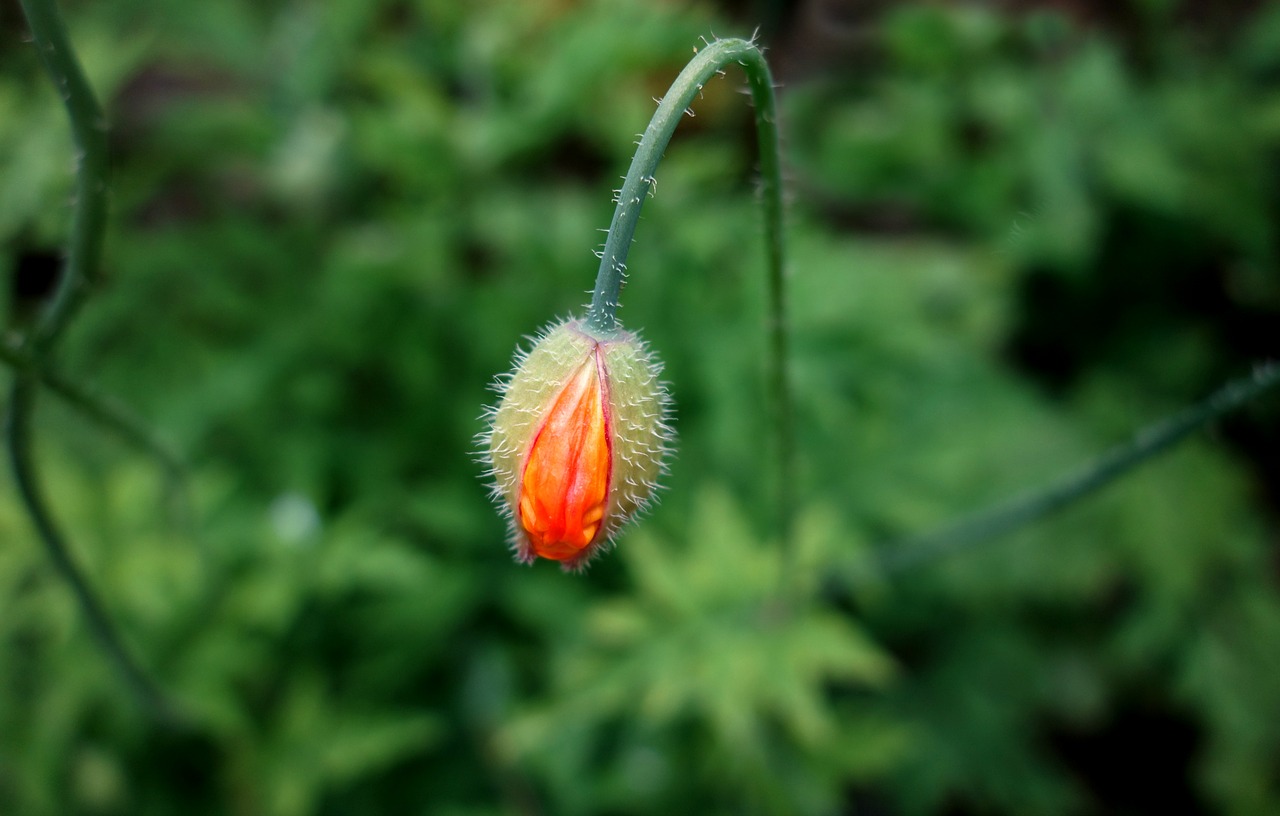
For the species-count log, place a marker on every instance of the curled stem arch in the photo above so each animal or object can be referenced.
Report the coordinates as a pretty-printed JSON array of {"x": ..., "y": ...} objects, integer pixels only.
[{"x": 639, "y": 182}]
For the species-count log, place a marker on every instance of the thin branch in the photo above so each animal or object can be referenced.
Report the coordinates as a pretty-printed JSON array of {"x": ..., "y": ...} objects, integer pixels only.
[
  {"x": 106, "y": 412},
  {"x": 89, "y": 131},
  {"x": 1010, "y": 515},
  {"x": 88, "y": 222},
  {"x": 18, "y": 439}
]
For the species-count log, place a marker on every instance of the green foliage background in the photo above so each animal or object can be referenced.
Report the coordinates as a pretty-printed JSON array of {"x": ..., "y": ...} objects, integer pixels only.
[{"x": 1014, "y": 239}]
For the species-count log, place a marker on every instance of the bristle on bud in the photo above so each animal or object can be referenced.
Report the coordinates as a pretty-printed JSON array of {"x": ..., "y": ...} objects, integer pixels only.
[{"x": 577, "y": 442}]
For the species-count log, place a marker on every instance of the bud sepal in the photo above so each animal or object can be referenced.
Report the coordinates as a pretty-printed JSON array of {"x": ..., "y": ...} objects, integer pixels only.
[{"x": 577, "y": 442}]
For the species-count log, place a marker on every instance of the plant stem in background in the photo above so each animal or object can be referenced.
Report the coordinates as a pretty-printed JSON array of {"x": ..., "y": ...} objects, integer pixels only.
[
  {"x": 84, "y": 249},
  {"x": 89, "y": 131},
  {"x": 107, "y": 413},
  {"x": 18, "y": 439},
  {"x": 1005, "y": 517},
  {"x": 638, "y": 184}
]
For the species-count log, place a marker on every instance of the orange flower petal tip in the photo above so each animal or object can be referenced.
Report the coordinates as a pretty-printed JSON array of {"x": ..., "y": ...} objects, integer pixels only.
[{"x": 577, "y": 442}]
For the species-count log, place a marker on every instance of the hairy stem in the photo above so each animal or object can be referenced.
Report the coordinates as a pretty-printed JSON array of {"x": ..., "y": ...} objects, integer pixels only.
[
  {"x": 30, "y": 358},
  {"x": 89, "y": 131},
  {"x": 602, "y": 316}
]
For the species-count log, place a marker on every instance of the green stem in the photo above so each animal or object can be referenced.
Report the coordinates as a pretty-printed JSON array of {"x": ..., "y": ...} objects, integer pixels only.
[
  {"x": 18, "y": 438},
  {"x": 639, "y": 182},
  {"x": 1007, "y": 516},
  {"x": 106, "y": 412},
  {"x": 89, "y": 131}
]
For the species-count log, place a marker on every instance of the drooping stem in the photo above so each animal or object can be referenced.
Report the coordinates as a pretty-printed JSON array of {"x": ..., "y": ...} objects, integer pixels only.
[
  {"x": 639, "y": 182},
  {"x": 1007, "y": 516}
]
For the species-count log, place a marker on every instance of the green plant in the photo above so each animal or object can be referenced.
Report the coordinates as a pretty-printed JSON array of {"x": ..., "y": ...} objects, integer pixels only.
[{"x": 338, "y": 217}]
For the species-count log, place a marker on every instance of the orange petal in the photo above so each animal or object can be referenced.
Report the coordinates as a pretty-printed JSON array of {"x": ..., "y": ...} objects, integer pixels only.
[{"x": 566, "y": 474}]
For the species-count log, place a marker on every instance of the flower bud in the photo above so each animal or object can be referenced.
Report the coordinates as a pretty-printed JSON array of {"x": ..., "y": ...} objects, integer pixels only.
[{"x": 577, "y": 442}]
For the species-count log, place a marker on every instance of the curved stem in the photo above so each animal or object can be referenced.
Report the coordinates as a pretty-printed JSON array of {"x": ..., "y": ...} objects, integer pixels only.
[
  {"x": 18, "y": 438},
  {"x": 602, "y": 316},
  {"x": 89, "y": 131},
  {"x": 1145, "y": 444},
  {"x": 30, "y": 358}
]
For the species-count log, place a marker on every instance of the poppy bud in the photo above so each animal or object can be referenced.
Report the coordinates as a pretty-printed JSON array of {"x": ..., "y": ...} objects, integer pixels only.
[{"x": 577, "y": 442}]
